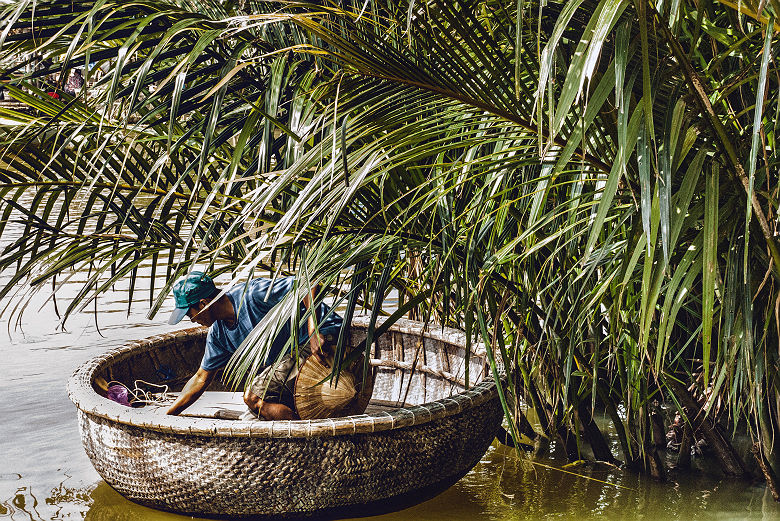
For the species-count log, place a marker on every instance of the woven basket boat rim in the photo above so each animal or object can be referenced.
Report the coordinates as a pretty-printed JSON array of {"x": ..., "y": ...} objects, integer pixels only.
[{"x": 82, "y": 394}]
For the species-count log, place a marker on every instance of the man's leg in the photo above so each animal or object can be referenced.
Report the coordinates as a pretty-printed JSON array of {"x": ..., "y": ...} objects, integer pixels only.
[
  {"x": 271, "y": 394},
  {"x": 268, "y": 410}
]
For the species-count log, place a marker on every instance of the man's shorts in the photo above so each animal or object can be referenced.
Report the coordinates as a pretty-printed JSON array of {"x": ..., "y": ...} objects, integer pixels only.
[{"x": 276, "y": 383}]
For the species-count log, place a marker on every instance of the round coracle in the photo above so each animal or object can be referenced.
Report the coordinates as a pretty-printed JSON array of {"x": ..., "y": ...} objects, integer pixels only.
[{"x": 433, "y": 427}]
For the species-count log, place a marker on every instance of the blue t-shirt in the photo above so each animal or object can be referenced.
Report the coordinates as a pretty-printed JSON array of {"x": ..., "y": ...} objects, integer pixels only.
[{"x": 251, "y": 303}]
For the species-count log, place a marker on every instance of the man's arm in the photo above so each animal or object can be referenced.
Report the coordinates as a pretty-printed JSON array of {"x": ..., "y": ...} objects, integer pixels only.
[
  {"x": 316, "y": 341},
  {"x": 192, "y": 391}
]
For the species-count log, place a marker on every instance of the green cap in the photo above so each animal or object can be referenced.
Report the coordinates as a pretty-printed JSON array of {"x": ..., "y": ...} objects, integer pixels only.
[{"x": 188, "y": 291}]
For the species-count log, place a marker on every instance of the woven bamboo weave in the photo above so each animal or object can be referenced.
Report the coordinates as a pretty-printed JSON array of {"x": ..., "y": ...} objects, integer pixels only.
[{"x": 229, "y": 468}]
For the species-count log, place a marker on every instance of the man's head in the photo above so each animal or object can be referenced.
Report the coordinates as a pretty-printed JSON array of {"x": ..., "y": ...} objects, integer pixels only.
[{"x": 191, "y": 294}]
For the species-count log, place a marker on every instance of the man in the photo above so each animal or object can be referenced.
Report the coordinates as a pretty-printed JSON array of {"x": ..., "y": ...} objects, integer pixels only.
[{"x": 230, "y": 318}]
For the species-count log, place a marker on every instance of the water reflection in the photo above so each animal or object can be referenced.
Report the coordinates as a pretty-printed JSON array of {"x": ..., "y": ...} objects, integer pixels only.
[
  {"x": 501, "y": 488},
  {"x": 62, "y": 503},
  {"x": 505, "y": 488},
  {"x": 108, "y": 505}
]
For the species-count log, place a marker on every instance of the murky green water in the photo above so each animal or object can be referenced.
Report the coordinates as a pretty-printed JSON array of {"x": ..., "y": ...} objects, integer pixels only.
[{"x": 45, "y": 474}]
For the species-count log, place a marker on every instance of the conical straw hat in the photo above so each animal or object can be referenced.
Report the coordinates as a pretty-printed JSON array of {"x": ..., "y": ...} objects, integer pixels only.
[{"x": 316, "y": 398}]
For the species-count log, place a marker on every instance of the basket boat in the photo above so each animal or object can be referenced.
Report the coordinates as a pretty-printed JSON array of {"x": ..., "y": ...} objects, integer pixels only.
[{"x": 426, "y": 428}]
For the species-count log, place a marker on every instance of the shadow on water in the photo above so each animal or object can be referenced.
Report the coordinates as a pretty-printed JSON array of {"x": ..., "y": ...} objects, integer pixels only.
[{"x": 502, "y": 488}]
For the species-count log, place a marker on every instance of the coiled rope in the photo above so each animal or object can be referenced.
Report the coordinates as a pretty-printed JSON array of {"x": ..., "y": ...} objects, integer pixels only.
[{"x": 141, "y": 395}]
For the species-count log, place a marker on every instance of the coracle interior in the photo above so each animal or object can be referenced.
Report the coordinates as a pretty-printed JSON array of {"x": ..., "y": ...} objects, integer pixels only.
[{"x": 411, "y": 369}]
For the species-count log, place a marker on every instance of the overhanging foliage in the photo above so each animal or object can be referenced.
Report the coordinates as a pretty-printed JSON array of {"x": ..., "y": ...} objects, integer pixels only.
[{"x": 588, "y": 187}]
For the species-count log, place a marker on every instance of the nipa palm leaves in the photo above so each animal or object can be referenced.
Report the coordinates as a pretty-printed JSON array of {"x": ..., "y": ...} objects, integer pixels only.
[{"x": 587, "y": 187}]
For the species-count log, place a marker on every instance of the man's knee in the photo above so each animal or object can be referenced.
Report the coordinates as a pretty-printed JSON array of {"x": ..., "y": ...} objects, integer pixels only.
[
  {"x": 276, "y": 411},
  {"x": 252, "y": 400}
]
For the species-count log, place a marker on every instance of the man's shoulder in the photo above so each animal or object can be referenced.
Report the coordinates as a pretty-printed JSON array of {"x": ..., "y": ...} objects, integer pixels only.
[
  {"x": 251, "y": 287},
  {"x": 261, "y": 287}
]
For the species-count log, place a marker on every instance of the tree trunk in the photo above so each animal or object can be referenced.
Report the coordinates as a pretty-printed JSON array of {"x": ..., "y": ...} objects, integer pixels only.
[
  {"x": 536, "y": 402},
  {"x": 684, "y": 457},
  {"x": 617, "y": 422},
  {"x": 569, "y": 441},
  {"x": 654, "y": 464},
  {"x": 730, "y": 461},
  {"x": 766, "y": 468},
  {"x": 522, "y": 424},
  {"x": 659, "y": 434},
  {"x": 594, "y": 437}
]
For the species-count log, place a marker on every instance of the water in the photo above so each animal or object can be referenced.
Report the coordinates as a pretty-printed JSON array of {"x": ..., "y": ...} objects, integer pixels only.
[{"x": 45, "y": 474}]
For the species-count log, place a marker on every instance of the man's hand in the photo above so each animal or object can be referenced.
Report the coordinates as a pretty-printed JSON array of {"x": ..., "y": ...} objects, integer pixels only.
[{"x": 319, "y": 349}]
